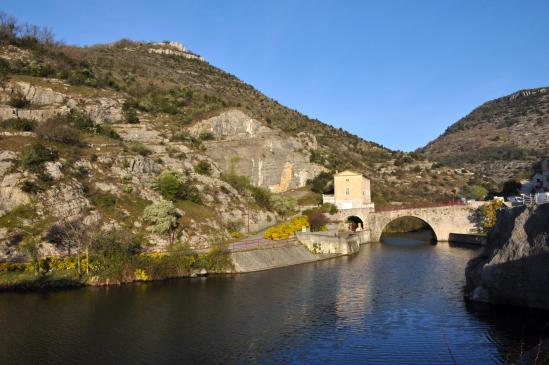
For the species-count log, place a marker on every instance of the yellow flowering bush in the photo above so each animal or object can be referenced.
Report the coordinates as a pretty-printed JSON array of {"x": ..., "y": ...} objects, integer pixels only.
[
  {"x": 141, "y": 275},
  {"x": 287, "y": 229},
  {"x": 14, "y": 266}
]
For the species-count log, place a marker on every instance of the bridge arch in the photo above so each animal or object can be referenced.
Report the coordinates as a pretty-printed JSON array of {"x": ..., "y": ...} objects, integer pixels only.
[
  {"x": 378, "y": 221},
  {"x": 355, "y": 222},
  {"x": 426, "y": 224}
]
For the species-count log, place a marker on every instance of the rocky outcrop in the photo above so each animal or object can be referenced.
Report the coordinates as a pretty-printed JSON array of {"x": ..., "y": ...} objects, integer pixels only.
[
  {"x": 513, "y": 269},
  {"x": 46, "y": 102},
  {"x": 246, "y": 147}
]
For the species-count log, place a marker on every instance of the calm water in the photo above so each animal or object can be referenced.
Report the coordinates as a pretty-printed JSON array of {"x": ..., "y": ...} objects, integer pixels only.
[{"x": 395, "y": 302}]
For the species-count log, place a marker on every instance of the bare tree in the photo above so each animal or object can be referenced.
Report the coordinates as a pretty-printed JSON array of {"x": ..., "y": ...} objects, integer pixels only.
[
  {"x": 72, "y": 233},
  {"x": 8, "y": 26}
]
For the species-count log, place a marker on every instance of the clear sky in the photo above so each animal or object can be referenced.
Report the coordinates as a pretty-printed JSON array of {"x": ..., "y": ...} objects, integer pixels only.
[{"x": 394, "y": 72}]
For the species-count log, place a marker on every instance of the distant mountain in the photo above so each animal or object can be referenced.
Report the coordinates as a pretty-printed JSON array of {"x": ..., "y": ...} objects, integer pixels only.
[{"x": 502, "y": 138}]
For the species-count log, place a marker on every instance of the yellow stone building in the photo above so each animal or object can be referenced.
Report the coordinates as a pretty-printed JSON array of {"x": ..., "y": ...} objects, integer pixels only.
[{"x": 351, "y": 191}]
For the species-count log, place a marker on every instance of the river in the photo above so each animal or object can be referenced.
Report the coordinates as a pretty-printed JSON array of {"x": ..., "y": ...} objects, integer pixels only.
[{"x": 399, "y": 301}]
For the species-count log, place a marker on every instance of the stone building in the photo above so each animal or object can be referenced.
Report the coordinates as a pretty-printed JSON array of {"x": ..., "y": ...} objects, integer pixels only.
[{"x": 351, "y": 191}]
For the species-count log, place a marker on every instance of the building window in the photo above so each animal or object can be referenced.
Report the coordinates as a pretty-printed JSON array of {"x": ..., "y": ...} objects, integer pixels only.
[
  {"x": 347, "y": 191},
  {"x": 347, "y": 180}
]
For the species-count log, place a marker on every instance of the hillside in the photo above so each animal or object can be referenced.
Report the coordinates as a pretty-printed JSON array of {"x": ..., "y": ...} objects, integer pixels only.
[
  {"x": 100, "y": 134},
  {"x": 502, "y": 138}
]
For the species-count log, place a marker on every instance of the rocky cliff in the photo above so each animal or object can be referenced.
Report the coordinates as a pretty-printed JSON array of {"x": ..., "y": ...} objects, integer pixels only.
[
  {"x": 271, "y": 158},
  {"x": 513, "y": 268}
]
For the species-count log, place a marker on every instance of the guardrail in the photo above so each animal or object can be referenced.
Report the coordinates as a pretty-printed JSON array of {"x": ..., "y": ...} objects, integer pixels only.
[
  {"x": 261, "y": 243},
  {"x": 534, "y": 200},
  {"x": 444, "y": 203}
]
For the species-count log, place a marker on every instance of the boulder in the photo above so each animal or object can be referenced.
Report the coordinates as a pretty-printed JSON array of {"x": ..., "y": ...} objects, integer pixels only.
[
  {"x": 513, "y": 268},
  {"x": 54, "y": 169}
]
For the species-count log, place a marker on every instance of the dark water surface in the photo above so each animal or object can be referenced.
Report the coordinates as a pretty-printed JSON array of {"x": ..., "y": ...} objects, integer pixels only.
[{"x": 395, "y": 302}]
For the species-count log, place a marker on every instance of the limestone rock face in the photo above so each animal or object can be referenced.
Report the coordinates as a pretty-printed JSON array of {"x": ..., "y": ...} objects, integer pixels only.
[
  {"x": 66, "y": 200},
  {"x": 10, "y": 193},
  {"x": 47, "y": 103},
  {"x": 270, "y": 158},
  {"x": 513, "y": 269}
]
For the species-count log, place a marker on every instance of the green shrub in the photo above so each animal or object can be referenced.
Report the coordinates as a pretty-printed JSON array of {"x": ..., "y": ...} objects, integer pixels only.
[
  {"x": 140, "y": 149},
  {"x": 262, "y": 197},
  {"x": 173, "y": 186},
  {"x": 322, "y": 183},
  {"x": 217, "y": 259},
  {"x": 18, "y": 124},
  {"x": 206, "y": 136},
  {"x": 34, "y": 155},
  {"x": 285, "y": 206},
  {"x": 203, "y": 168},
  {"x": 103, "y": 200},
  {"x": 240, "y": 183},
  {"x": 130, "y": 115},
  {"x": 116, "y": 255},
  {"x": 108, "y": 131}
]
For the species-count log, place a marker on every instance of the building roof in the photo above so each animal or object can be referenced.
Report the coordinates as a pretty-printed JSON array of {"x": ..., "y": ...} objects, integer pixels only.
[{"x": 348, "y": 173}]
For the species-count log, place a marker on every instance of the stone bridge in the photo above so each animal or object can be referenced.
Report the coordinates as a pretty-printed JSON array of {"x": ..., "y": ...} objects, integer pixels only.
[{"x": 443, "y": 220}]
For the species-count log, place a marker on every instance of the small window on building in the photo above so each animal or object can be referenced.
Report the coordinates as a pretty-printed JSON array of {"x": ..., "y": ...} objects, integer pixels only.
[
  {"x": 347, "y": 191},
  {"x": 347, "y": 180}
]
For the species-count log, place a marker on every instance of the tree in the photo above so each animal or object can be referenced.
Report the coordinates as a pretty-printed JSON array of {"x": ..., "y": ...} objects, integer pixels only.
[
  {"x": 511, "y": 187},
  {"x": 283, "y": 206},
  {"x": 488, "y": 214},
  {"x": 72, "y": 233},
  {"x": 162, "y": 218},
  {"x": 476, "y": 192},
  {"x": 318, "y": 221}
]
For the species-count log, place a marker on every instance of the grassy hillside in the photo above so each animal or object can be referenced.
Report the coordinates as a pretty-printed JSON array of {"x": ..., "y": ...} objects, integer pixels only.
[
  {"x": 175, "y": 91},
  {"x": 502, "y": 138}
]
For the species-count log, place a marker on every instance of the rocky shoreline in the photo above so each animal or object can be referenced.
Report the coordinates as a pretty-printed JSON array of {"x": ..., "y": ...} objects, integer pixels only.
[{"x": 513, "y": 268}]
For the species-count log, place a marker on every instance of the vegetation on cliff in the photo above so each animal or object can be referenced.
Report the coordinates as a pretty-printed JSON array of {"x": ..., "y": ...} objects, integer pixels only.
[{"x": 502, "y": 138}]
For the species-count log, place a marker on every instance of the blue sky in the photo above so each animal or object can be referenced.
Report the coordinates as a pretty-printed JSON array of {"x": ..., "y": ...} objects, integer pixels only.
[{"x": 394, "y": 72}]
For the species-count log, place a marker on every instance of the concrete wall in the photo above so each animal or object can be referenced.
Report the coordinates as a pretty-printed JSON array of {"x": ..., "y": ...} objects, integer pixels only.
[
  {"x": 330, "y": 243},
  {"x": 473, "y": 239},
  {"x": 271, "y": 258}
]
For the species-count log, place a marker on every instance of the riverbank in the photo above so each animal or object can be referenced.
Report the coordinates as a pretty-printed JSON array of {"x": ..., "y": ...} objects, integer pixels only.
[
  {"x": 114, "y": 269},
  {"x": 54, "y": 272}
]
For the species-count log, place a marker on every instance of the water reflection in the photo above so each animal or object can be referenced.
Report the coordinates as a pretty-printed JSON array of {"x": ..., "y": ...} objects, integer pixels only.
[{"x": 391, "y": 303}]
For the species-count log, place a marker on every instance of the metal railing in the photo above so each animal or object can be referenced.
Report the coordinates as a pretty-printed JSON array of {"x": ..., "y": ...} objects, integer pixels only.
[
  {"x": 537, "y": 199},
  {"x": 436, "y": 204},
  {"x": 261, "y": 243}
]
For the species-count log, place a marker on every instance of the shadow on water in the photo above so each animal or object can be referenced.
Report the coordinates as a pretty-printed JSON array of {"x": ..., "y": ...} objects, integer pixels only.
[
  {"x": 409, "y": 239},
  {"x": 514, "y": 330}
]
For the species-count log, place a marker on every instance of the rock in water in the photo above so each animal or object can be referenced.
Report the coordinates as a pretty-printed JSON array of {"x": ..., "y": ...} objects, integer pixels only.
[{"x": 513, "y": 269}]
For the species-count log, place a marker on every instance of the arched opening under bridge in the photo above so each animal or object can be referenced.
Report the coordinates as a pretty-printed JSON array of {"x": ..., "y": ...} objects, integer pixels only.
[
  {"x": 355, "y": 223},
  {"x": 408, "y": 230}
]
